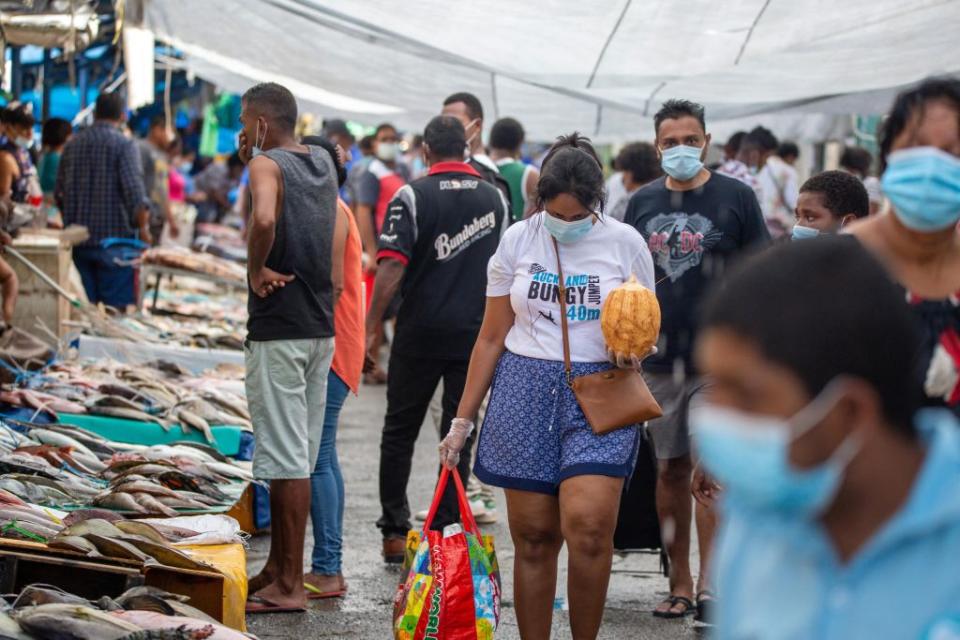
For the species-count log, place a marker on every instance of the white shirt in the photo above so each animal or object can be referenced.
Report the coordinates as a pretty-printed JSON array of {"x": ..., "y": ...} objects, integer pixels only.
[
  {"x": 525, "y": 268},
  {"x": 615, "y": 189},
  {"x": 778, "y": 183}
]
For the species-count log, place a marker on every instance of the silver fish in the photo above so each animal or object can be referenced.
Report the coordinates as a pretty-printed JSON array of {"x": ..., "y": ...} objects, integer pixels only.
[{"x": 73, "y": 621}]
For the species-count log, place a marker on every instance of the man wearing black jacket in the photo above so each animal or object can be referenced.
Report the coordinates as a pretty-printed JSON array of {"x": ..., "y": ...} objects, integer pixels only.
[
  {"x": 439, "y": 233},
  {"x": 466, "y": 108}
]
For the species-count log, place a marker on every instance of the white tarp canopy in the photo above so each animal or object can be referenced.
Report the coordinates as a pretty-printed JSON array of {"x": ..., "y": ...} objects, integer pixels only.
[{"x": 601, "y": 66}]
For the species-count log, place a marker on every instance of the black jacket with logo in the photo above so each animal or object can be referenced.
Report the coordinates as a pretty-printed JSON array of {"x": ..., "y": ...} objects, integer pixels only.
[{"x": 444, "y": 227}]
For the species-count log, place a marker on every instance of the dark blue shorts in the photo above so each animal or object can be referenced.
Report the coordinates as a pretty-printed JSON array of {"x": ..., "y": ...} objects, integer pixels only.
[{"x": 535, "y": 435}]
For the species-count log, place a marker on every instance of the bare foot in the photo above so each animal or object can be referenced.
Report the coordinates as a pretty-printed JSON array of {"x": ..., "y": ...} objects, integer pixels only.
[
  {"x": 324, "y": 586},
  {"x": 273, "y": 594},
  {"x": 259, "y": 581}
]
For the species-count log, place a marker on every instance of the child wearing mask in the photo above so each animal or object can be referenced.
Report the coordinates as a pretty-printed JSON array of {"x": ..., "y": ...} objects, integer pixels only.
[{"x": 829, "y": 201}]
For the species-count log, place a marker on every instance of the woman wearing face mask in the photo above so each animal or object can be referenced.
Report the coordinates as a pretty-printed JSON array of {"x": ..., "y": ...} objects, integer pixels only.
[
  {"x": 917, "y": 240},
  {"x": 840, "y": 510},
  {"x": 18, "y": 177},
  {"x": 562, "y": 481}
]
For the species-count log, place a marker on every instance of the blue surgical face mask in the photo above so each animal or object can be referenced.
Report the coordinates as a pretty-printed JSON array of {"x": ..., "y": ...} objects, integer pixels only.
[
  {"x": 923, "y": 184},
  {"x": 748, "y": 454},
  {"x": 567, "y": 232},
  {"x": 681, "y": 162},
  {"x": 803, "y": 233}
]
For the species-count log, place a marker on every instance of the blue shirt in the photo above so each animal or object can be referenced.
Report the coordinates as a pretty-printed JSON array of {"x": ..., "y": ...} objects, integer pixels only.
[
  {"x": 100, "y": 183},
  {"x": 779, "y": 578}
]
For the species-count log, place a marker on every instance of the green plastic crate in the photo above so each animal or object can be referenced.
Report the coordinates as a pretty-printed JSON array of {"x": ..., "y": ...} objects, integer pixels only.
[{"x": 227, "y": 438}]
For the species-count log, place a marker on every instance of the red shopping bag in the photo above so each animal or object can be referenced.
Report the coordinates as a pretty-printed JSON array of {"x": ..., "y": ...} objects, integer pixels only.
[{"x": 451, "y": 586}]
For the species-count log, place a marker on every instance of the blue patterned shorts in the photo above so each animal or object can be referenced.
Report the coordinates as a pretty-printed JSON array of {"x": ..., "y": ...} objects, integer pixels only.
[{"x": 535, "y": 435}]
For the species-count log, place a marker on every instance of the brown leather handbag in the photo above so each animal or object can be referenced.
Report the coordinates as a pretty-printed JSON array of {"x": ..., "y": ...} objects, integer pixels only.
[{"x": 612, "y": 399}]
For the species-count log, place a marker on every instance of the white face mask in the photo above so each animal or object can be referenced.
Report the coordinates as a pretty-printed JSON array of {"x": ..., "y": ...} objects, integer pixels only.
[
  {"x": 388, "y": 151},
  {"x": 257, "y": 148},
  {"x": 473, "y": 136}
]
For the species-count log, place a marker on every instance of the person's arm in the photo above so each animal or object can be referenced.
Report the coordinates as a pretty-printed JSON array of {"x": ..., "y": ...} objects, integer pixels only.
[
  {"x": 368, "y": 192},
  {"x": 389, "y": 275},
  {"x": 172, "y": 225},
  {"x": 498, "y": 318},
  {"x": 8, "y": 173},
  {"x": 9, "y": 287},
  {"x": 60, "y": 188},
  {"x": 340, "y": 231},
  {"x": 132, "y": 191},
  {"x": 265, "y": 186},
  {"x": 395, "y": 251},
  {"x": 530, "y": 188}
]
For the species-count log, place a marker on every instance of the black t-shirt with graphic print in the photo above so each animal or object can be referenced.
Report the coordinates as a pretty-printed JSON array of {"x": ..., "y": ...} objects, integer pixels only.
[
  {"x": 444, "y": 227},
  {"x": 693, "y": 236}
]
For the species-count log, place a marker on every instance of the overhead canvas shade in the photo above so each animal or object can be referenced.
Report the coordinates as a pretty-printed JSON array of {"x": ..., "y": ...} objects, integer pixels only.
[{"x": 602, "y": 67}]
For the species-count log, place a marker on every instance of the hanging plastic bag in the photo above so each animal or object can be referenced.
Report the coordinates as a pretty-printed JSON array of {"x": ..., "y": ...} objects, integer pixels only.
[{"x": 451, "y": 586}]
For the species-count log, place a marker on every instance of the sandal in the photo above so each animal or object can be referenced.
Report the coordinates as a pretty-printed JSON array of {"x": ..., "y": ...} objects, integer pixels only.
[
  {"x": 259, "y": 604},
  {"x": 688, "y": 608},
  {"x": 313, "y": 593},
  {"x": 706, "y": 602}
]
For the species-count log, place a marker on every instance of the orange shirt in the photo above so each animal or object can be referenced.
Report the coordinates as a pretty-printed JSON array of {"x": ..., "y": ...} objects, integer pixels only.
[{"x": 349, "y": 311}]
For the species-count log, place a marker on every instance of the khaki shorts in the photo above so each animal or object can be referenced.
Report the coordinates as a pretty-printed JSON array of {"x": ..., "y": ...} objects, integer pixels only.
[
  {"x": 287, "y": 394},
  {"x": 671, "y": 433}
]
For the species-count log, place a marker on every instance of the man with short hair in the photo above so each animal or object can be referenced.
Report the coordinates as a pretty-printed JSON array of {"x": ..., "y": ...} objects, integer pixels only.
[
  {"x": 695, "y": 222},
  {"x": 639, "y": 165},
  {"x": 840, "y": 496},
  {"x": 153, "y": 152},
  {"x": 506, "y": 140},
  {"x": 858, "y": 161},
  {"x": 777, "y": 180},
  {"x": 736, "y": 168},
  {"x": 295, "y": 269},
  {"x": 829, "y": 201},
  {"x": 336, "y": 131},
  {"x": 439, "y": 234},
  {"x": 376, "y": 186},
  {"x": 466, "y": 108},
  {"x": 789, "y": 152},
  {"x": 100, "y": 186}
]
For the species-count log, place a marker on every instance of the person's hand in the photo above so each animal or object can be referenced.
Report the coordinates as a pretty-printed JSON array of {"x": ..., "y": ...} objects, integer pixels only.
[
  {"x": 244, "y": 151},
  {"x": 704, "y": 489},
  {"x": 629, "y": 361},
  {"x": 369, "y": 265},
  {"x": 145, "y": 236},
  {"x": 174, "y": 228},
  {"x": 267, "y": 281},
  {"x": 370, "y": 359},
  {"x": 451, "y": 446}
]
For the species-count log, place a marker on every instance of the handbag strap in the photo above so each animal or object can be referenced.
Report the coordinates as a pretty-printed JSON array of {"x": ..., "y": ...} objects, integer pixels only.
[{"x": 563, "y": 316}]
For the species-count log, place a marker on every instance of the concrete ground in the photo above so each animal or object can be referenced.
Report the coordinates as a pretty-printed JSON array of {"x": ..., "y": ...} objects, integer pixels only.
[{"x": 366, "y": 611}]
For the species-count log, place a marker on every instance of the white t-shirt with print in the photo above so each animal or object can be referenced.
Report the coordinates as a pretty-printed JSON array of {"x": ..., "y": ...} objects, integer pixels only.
[{"x": 525, "y": 268}]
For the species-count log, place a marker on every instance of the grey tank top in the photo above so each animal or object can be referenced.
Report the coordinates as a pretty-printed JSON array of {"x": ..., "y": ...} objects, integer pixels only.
[{"x": 303, "y": 246}]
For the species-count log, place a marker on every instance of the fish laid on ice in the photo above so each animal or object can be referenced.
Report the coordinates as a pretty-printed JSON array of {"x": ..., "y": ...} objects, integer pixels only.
[
  {"x": 72, "y": 621},
  {"x": 230, "y": 470},
  {"x": 143, "y": 486},
  {"x": 190, "y": 419},
  {"x": 75, "y": 517},
  {"x": 137, "y": 415}
]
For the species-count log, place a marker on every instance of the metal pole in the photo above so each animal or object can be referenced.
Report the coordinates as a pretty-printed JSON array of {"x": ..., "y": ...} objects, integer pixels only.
[
  {"x": 16, "y": 81},
  {"x": 47, "y": 82}
]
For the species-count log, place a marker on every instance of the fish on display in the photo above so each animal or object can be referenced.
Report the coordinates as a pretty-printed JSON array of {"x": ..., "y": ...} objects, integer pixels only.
[{"x": 75, "y": 622}]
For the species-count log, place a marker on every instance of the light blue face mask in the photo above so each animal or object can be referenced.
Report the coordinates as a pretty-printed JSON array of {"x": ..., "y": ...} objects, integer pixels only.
[
  {"x": 681, "y": 162},
  {"x": 803, "y": 233},
  {"x": 567, "y": 232},
  {"x": 257, "y": 148},
  {"x": 748, "y": 454},
  {"x": 923, "y": 184}
]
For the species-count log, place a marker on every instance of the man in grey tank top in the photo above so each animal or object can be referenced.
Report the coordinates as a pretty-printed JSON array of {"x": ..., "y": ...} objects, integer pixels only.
[{"x": 295, "y": 271}]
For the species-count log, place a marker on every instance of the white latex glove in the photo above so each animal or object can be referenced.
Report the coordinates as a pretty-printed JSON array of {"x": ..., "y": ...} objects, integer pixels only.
[
  {"x": 452, "y": 445},
  {"x": 629, "y": 361}
]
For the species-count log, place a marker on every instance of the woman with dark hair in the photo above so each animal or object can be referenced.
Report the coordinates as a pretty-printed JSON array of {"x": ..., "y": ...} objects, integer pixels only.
[
  {"x": 18, "y": 176},
  {"x": 325, "y": 579},
  {"x": 917, "y": 240},
  {"x": 562, "y": 481}
]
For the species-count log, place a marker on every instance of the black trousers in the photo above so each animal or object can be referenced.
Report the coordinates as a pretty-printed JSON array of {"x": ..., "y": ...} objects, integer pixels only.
[{"x": 411, "y": 383}]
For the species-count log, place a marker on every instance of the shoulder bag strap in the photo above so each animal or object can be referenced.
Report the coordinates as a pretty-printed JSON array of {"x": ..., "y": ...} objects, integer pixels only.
[{"x": 563, "y": 315}]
